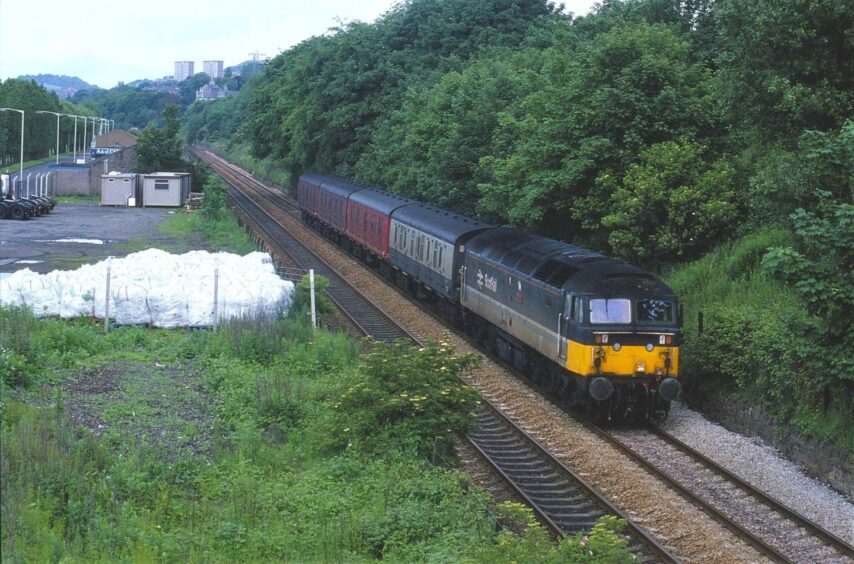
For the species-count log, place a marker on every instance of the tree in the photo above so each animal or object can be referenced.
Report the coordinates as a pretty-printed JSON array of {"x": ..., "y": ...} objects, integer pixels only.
[
  {"x": 159, "y": 148},
  {"x": 786, "y": 65},
  {"x": 600, "y": 106},
  {"x": 670, "y": 206}
]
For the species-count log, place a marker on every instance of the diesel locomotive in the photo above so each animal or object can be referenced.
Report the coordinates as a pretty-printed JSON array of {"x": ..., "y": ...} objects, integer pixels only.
[{"x": 600, "y": 333}]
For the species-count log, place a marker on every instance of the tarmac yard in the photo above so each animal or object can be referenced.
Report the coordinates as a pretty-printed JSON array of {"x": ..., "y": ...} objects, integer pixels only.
[{"x": 80, "y": 233}]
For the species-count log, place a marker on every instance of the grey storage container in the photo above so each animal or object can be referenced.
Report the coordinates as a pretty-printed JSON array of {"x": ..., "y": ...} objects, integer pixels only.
[
  {"x": 165, "y": 189},
  {"x": 117, "y": 189}
]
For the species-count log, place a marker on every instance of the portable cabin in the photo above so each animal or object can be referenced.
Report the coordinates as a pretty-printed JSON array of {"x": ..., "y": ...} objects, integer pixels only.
[
  {"x": 118, "y": 189},
  {"x": 165, "y": 189}
]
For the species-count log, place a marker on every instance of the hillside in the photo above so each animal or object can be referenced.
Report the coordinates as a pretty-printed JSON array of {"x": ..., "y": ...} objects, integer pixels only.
[
  {"x": 64, "y": 86},
  {"x": 708, "y": 141}
]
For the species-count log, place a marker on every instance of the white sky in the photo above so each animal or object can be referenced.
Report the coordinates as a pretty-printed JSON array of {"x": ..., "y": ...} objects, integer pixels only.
[{"x": 104, "y": 42}]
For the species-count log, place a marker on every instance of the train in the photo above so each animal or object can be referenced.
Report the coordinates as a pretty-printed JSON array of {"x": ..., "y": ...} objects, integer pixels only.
[{"x": 600, "y": 334}]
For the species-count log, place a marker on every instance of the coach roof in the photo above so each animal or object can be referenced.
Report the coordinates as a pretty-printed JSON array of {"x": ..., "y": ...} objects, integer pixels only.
[
  {"x": 379, "y": 200},
  {"x": 442, "y": 224}
]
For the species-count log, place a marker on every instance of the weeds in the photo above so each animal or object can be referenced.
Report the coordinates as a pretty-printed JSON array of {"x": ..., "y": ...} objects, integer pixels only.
[{"x": 269, "y": 488}]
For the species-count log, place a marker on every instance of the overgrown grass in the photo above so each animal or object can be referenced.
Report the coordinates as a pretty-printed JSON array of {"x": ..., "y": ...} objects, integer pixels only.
[
  {"x": 756, "y": 331},
  {"x": 77, "y": 199},
  {"x": 279, "y": 482},
  {"x": 222, "y": 234},
  {"x": 269, "y": 170}
]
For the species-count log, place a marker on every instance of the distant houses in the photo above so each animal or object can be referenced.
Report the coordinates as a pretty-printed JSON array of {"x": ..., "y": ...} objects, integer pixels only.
[{"x": 211, "y": 91}]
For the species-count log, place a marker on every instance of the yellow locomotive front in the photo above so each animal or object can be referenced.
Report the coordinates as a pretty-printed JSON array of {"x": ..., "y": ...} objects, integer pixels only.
[{"x": 625, "y": 352}]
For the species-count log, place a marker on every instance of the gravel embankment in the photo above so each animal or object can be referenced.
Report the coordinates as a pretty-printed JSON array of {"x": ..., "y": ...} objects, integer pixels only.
[
  {"x": 761, "y": 465},
  {"x": 796, "y": 543},
  {"x": 686, "y": 531}
]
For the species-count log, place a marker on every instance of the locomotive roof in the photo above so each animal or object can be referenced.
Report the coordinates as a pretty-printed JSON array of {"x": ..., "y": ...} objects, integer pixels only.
[
  {"x": 445, "y": 225},
  {"x": 379, "y": 200},
  {"x": 564, "y": 266}
]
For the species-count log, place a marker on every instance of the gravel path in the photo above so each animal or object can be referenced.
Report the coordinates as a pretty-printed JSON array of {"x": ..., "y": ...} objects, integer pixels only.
[
  {"x": 687, "y": 532},
  {"x": 761, "y": 465}
]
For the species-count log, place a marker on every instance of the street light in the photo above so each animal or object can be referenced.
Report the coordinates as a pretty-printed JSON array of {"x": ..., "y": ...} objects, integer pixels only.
[
  {"x": 85, "y": 123},
  {"x": 75, "y": 137},
  {"x": 89, "y": 143},
  {"x": 57, "y": 114},
  {"x": 21, "y": 177},
  {"x": 112, "y": 124}
]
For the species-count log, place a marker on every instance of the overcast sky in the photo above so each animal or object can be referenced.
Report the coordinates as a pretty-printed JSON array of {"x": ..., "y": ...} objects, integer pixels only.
[{"x": 104, "y": 42}]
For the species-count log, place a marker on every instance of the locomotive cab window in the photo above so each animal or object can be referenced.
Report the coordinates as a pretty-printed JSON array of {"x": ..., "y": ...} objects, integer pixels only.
[
  {"x": 655, "y": 312},
  {"x": 610, "y": 311}
]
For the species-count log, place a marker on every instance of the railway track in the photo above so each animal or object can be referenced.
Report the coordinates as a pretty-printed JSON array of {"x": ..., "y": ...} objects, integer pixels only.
[
  {"x": 777, "y": 531},
  {"x": 773, "y": 528},
  {"x": 560, "y": 498}
]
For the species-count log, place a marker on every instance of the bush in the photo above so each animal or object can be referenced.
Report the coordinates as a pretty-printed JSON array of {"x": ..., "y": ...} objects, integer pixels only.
[
  {"x": 763, "y": 342},
  {"x": 215, "y": 200},
  {"x": 301, "y": 304},
  {"x": 407, "y": 398}
]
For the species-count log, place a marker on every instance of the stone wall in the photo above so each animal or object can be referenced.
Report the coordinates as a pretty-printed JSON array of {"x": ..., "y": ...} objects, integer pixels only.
[{"x": 820, "y": 461}]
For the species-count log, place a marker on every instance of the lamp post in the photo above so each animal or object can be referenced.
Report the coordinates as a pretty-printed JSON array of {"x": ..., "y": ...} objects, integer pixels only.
[
  {"x": 112, "y": 124},
  {"x": 75, "y": 137},
  {"x": 57, "y": 114},
  {"x": 85, "y": 123},
  {"x": 21, "y": 177}
]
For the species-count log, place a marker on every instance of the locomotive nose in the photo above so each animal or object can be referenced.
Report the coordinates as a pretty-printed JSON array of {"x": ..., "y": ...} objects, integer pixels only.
[{"x": 670, "y": 389}]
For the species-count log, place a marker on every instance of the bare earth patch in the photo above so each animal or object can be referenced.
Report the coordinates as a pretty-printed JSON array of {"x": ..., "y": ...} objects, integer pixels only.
[{"x": 162, "y": 407}]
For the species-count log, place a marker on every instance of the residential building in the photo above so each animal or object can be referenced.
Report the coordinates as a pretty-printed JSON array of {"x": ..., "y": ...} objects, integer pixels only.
[
  {"x": 212, "y": 68},
  {"x": 184, "y": 70},
  {"x": 211, "y": 91}
]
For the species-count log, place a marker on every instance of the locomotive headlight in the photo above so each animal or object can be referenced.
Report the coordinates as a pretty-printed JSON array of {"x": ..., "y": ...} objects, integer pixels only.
[
  {"x": 617, "y": 346},
  {"x": 641, "y": 367},
  {"x": 649, "y": 347}
]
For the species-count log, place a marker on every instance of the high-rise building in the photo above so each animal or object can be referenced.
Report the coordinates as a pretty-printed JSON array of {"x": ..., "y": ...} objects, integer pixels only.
[
  {"x": 212, "y": 68},
  {"x": 184, "y": 70}
]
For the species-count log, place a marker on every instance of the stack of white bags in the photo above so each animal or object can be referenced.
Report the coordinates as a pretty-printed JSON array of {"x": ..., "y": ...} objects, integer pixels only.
[{"x": 156, "y": 288}]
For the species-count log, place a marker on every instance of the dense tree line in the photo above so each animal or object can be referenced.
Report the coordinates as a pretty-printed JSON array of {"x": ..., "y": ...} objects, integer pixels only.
[
  {"x": 653, "y": 130},
  {"x": 40, "y": 129}
]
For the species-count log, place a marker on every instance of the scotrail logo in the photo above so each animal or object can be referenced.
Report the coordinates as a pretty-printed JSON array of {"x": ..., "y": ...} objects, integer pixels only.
[{"x": 487, "y": 281}]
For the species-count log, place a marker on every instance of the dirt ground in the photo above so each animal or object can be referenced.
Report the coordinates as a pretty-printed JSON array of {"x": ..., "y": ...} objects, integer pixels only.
[
  {"x": 155, "y": 406},
  {"x": 81, "y": 233}
]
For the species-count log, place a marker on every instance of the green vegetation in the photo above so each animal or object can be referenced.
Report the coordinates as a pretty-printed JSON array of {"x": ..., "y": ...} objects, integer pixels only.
[
  {"x": 217, "y": 225},
  {"x": 40, "y": 134},
  {"x": 669, "y": 134},
  {"x": 13, "y": 168},
  {"x": 233, "y": 445},
  {"x": 77, "y": 199}
]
